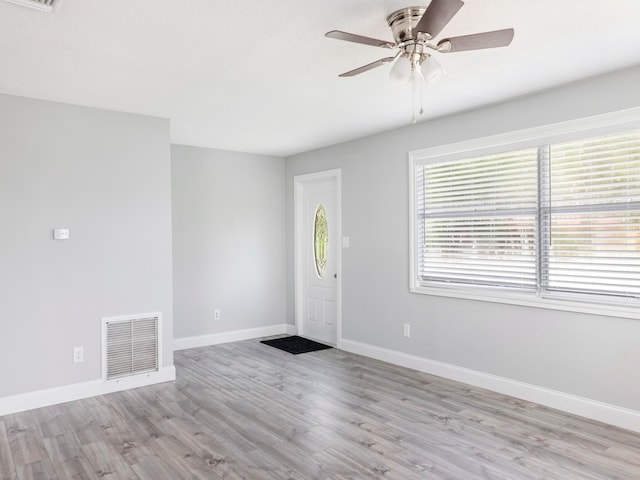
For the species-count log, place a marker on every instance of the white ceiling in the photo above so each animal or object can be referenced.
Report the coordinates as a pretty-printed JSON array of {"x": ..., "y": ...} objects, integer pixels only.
[{"x": 259, "y": 76}]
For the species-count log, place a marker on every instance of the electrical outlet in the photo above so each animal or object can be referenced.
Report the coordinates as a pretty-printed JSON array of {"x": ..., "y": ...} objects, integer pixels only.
[
  {"x": 407, "y": 330},
  {"x": 216, "y": 314},
  {"x": 78, "y": 354}
]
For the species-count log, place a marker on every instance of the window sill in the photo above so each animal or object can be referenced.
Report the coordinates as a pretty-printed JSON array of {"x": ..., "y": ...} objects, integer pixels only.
[{"x": 529, "y": 300}]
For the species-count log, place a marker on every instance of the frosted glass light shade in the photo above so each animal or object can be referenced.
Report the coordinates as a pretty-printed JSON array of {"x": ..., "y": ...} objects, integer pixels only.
[
  {"x": 401, "y": 70},
  {"x": 432, "y": 71}
]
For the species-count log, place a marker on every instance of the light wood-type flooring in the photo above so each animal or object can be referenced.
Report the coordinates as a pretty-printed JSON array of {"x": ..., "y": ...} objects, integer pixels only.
[{"x": 248, "y": 411}]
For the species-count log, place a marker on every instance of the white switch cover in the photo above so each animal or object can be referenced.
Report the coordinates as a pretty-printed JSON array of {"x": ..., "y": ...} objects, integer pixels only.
[
  {"x": 407, "y": 330},
  {"x": 78, "y": 354},
  {"x": 61, "y": 234},
  {"x": 345, "y": 242}
]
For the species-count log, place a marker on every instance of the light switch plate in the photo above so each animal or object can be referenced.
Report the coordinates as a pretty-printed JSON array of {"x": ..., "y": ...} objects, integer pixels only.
[
  {"x": 61, "y": 234},
  {"x": 78, "y": 354}
]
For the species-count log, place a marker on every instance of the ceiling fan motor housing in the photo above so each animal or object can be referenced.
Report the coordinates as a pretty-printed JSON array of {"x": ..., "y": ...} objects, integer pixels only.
[{"x": 403, "y": 22}]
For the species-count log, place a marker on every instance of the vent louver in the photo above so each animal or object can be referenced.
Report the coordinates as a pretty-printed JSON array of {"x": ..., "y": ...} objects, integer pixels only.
[
  {"x": 42, "y": 5},
  {"x": 131, "y": 346}
]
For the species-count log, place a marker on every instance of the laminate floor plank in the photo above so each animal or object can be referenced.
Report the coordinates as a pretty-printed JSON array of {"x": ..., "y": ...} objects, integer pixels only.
[
  {"x": 7, "y": 467},
  {"x": 38, "y": 470},
  {"x": 67, "y": 459},
  {"x": 245, "y": 410},
  {"x": 194, "y": 462},
  {"x": 155, "y": 468},
  {"x": 107, "y": 461},
  {"x": 25, "y": 441}
]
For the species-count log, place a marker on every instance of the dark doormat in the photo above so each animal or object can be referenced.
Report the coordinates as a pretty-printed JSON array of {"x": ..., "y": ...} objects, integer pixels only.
[{"x": 295, "y": 344}]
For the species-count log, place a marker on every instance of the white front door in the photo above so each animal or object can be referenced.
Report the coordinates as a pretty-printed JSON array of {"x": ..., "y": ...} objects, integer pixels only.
[{"x": 317, "y": 256}]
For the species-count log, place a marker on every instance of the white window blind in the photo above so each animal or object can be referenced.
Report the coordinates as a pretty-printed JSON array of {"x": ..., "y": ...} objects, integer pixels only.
[
  {"x": 477, "y": 220},
  {"x": 561, "y": 219},
  {"x": 591, "y": 216}
]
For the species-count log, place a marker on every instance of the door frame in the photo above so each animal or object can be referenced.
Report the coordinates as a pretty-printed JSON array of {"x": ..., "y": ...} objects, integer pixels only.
[{"x": 299, "y": 181}]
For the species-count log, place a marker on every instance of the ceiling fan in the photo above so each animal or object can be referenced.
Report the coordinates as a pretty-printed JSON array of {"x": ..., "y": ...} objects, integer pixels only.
[{"x": 414, "y": 28}]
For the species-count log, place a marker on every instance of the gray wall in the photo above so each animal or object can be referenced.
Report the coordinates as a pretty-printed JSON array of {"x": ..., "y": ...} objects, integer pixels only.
[
  {"x": 228, "y": 240},
  {"x": 585, "y": 355},
  {"x": 106, "y": 177}
]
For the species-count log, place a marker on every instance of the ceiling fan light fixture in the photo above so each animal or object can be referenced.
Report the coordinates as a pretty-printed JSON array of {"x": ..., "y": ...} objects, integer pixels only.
[
  {"x": 432, "y": 70},
  {"x": 401, "y": 69}
]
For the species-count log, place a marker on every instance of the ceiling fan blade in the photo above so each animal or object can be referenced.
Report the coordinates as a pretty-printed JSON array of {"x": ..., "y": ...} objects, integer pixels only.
[
  {"x": 352, "y": 37},
  {"x": 476, "y": 41},
  {"x": 367, "y": 67},
  {"x": 438, "y": 14}
]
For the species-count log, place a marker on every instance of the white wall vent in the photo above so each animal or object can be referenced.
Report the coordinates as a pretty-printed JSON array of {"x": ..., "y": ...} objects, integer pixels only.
[
  {"x": 131, "y": 345},
  {"x": 42, "y": 5}
]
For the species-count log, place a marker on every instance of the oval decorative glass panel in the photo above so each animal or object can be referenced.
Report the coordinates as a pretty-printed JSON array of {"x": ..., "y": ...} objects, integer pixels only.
[{"x": 320, "y": 240}]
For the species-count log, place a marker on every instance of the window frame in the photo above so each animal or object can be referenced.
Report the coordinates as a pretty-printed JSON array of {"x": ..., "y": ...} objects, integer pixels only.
[{"x": 572, "y": 130}]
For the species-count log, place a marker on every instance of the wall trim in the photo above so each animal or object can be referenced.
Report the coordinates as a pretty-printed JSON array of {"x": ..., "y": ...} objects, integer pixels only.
[
  {"x": 232, "y": 336},
  {"x": 77, "y": 391},
  {"x": 584, "y": 407}
]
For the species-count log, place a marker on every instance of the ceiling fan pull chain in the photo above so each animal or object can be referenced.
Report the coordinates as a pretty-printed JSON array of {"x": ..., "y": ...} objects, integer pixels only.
[
  {"x": 413, "y": 96},
  {"x": 421, "y": 98},
  {"x": 416, "y": 82}
]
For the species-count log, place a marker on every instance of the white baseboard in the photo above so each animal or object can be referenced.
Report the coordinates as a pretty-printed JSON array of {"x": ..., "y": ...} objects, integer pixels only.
[
  {"x": 232, "y": 336},
  {"x": 585, "y": 407},
  {"x": 77, "y": 391}
]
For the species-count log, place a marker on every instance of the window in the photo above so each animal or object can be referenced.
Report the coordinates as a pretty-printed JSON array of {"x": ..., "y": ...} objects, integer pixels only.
[
  {"x": 477, "y": 220},
  {"x": 590, "y": 216},
  {"x": 320, "y": 240},
  {"x": 545, "y": 219}
]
